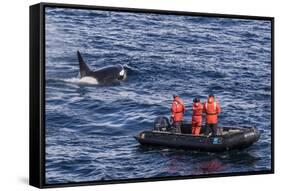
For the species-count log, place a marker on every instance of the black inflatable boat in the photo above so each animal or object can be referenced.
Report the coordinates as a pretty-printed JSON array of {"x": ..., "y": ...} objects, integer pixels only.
[{"x": 230, "y": 138}]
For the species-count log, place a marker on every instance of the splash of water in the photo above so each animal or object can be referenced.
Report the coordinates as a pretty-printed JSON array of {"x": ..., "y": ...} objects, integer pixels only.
[{"x": 84, "y": 80}]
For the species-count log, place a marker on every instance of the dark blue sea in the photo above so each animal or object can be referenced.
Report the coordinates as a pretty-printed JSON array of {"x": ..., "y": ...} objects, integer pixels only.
[{"x": 90, "y": 128}]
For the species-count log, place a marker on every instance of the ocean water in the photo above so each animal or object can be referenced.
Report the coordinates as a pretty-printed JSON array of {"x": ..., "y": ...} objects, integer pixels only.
[{"x": 90, "y": 128}]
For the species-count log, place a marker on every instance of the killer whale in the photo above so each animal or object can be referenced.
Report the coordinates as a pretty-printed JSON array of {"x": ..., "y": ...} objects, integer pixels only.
[{"x": 104, "y": 75}]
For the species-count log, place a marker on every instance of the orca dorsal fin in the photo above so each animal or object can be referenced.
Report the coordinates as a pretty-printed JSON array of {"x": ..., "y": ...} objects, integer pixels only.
[{"x": 84, "y": 69}]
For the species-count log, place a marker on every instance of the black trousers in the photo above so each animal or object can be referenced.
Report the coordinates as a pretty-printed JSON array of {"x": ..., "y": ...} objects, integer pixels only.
[{"x": 212, "y": 128}]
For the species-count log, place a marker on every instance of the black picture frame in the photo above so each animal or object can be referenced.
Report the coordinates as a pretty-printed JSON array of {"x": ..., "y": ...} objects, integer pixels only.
[{"x": 37, "y": 94}]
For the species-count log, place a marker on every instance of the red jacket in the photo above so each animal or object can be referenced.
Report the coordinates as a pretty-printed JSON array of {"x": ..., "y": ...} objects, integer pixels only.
[
  {"x": 197, "y": 110},
  {"x": 212, "y": 109},
  {"x": 177, "y": 109}
]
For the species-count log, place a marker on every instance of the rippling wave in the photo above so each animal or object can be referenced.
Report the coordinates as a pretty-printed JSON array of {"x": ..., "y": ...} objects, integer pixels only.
[{"x": 90, "y": 128}]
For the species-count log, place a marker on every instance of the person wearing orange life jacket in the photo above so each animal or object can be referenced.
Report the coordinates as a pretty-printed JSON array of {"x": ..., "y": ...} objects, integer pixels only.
[
  {"x": 196, "y": 121},
  {"x": 212, "y": 109},
  {"x": 177, "y": 111}
]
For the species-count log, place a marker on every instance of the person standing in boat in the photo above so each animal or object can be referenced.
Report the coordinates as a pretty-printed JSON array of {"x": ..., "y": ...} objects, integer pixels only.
[
  {"x": 212, "y": 109},
  {"x": 196, "y": 121},
  {"x": 177, "y": 111}
]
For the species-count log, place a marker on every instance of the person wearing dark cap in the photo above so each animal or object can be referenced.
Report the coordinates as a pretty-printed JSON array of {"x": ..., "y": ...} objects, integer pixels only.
[
  {"x": 212, "y": 110},
  {"x": 177, "y": 113}
]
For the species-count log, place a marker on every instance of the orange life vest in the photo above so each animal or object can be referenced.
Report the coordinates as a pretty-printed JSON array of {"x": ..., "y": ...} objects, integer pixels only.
[
  {"x": 177, "y": 109},
  {"x": 197, "y": 109},
  {"x": 212, "y": 109}
]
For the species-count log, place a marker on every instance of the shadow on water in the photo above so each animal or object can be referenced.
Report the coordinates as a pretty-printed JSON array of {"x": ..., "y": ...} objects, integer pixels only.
[
  {"x": 186, "y": 162},
  {"x": 82, "y": 90}
]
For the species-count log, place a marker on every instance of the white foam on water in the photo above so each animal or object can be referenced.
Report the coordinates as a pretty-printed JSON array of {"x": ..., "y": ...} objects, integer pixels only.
[
  {"x": 84, "y": 80},
  {"x": 88, "y": 80}
]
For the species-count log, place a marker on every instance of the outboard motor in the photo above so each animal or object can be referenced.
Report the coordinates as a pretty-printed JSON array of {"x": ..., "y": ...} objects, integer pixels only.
[{"x": 162, "y": 124}]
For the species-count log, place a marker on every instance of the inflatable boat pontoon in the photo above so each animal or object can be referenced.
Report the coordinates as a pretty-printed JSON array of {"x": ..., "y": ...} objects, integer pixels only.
[{"x": 230, "y": 138}]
